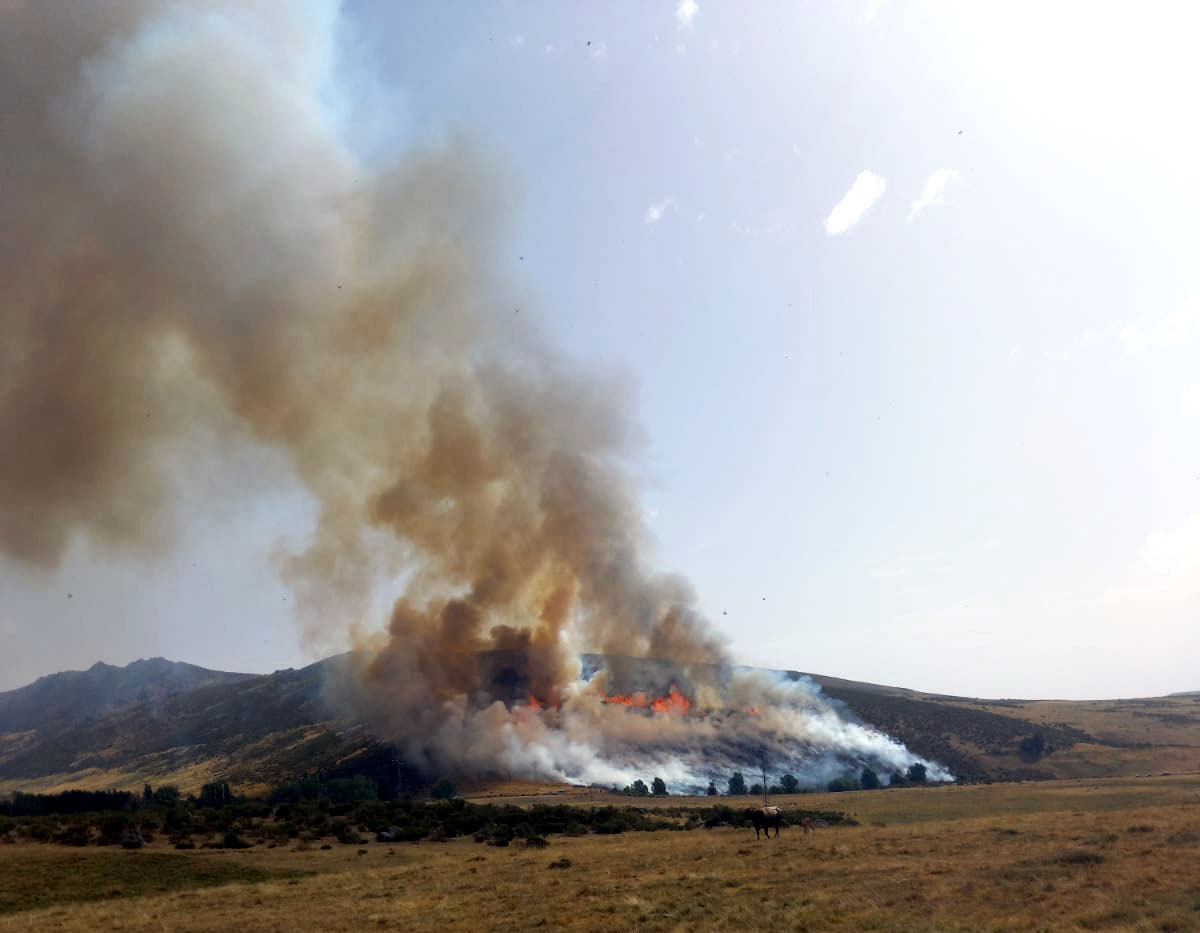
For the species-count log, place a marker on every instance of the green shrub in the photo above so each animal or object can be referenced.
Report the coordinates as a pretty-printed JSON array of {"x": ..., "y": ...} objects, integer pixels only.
[
  {"x": 1033, "y": 746},
  {"x": 74, "y": 834},
  {"x": 112, "y": 829},
  {"x": 443, "y": 789},
  {"x": 501, "y": 836}
]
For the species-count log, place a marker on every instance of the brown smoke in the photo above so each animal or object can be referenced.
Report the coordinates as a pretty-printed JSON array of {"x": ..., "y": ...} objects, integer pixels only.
[
  {"x": 198, "y": 262},
  {"x": 191, "y": 245}
]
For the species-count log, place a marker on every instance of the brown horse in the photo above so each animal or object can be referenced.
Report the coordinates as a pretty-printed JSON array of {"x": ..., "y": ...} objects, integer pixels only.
[{"x": 764, "y": 818}]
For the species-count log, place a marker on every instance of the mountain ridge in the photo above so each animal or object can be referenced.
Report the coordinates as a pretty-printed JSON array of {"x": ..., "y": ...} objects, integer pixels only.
[
  {"x": 74, "y": 696},
  {"x": 167, "y": 721}
]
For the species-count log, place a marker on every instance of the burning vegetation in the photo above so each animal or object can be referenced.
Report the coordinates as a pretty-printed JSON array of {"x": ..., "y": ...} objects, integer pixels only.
[
  {"x": 204, "y": 271},
  {"x": 673, "y": 702}
]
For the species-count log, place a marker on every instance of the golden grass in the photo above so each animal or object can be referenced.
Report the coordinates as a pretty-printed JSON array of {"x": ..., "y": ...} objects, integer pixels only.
[
  {"x": 1100, "y": 855},
  {"x": 1143, "y": 736}
]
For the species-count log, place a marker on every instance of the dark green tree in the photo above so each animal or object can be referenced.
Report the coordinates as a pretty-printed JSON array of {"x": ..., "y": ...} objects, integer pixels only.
[
  {"x": 1033, "y": 746},
  {"x": 916, "y": 773},
  {"x": 756, "y": 790},
  {"x": 658, "y": 787},
  {"x": 351, "y": 789},
  {"x": 869, "y": 779},
  {"x": 737, "y": 785},
  {"x": 789, "y": 784},
  {"x": 897, "y": 779},
  {"x": 215, "y": 795},
  {"x": 167, "y": 795},
  {"x": 712, "y": 789},
  {"x": 443, "y": 789}
]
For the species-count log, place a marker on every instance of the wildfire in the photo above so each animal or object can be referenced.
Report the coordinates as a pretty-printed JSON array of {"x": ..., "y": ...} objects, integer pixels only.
[{"x": 673, "y": 702}]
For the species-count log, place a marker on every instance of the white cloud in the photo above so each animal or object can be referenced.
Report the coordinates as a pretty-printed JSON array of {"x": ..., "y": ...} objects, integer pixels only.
[
  {"x": 1190, "y": 400},
  {"x": 1167, "y": 332},
  {"x": 1168, "y": 566},
  {"x": 598, "y": 51},
  {"x": 654, "y": 213},
  {"x": 685, "y": 13},
  {"x": 872, "y": 10},
  {"x": 866, "y": 190},
  {"x": 516, "y": 41},
  {"x": 935, "y": 188}
]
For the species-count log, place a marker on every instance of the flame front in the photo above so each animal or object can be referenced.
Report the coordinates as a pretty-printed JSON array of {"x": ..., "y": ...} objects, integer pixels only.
[{"x": 673, "y": 702}]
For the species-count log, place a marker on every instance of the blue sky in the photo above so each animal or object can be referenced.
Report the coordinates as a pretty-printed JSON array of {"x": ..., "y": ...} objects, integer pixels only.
[{"x": 906, "y": 297}]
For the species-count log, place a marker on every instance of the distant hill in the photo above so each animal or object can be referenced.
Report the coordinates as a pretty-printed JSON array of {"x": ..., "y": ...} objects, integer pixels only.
[
  {"x": 75, "y": 696},
  {"x": 163, "y": 721},
  {"x": 981, "y": 739},
  {"x": 250, "y": 729}
]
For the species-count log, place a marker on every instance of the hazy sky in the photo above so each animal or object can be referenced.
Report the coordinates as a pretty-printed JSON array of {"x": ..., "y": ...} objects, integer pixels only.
[{"x": 907, "y": 294}]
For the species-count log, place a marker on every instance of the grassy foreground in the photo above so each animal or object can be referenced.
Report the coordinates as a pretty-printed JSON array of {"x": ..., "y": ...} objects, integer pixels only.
[{"x": 1090, "y": 855}]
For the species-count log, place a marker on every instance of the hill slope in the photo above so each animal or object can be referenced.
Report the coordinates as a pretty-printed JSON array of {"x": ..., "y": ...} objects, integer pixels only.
[
  {"x": 246, "y": 728},
  {"x": 162, "y": 721},
  {"x": 59, "y": 700},
  {"x": 981, "y": 739}
]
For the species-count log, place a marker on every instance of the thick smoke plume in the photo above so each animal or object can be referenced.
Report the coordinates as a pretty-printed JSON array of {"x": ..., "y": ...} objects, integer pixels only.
[{"x": 196, "y": 257}]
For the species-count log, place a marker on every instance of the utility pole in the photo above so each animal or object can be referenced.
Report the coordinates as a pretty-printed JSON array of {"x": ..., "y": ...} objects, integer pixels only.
[{"x": 762, "y": 760}]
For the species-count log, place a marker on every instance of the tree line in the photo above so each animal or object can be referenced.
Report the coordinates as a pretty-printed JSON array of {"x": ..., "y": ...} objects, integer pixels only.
[{"x": 736, "y": 786}]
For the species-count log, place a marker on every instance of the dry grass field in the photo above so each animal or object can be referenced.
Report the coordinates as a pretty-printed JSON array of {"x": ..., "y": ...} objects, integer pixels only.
[{"x": 1080, "y": 855}]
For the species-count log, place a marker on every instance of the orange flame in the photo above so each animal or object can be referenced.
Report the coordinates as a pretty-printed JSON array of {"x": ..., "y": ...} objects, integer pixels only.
[
  {"x": 535, "y": 702},
  {"x": 673, "y": 702}
]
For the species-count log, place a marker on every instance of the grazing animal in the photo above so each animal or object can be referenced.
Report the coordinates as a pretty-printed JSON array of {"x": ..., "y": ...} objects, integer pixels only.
[
  {"x": 764, "y": 818},
  {"x": 807, "y": 825}
]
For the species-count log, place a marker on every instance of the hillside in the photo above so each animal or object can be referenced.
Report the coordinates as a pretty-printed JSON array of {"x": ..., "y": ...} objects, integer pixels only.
[
  {"x": 980, "y": 739},
  {"x": 246, "y": 728},
  {"x": 163, "y": 721},
  {"x": 59, "y": 700}
]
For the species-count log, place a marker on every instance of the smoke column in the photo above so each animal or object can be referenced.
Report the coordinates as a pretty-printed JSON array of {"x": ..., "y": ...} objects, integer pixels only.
[{"x": 193, "y": 247}]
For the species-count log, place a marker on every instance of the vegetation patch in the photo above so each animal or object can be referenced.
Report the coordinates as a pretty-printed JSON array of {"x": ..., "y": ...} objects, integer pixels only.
[
  {"x": 43, "y": 879},
  {"x": 1079, "y": 857}
]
